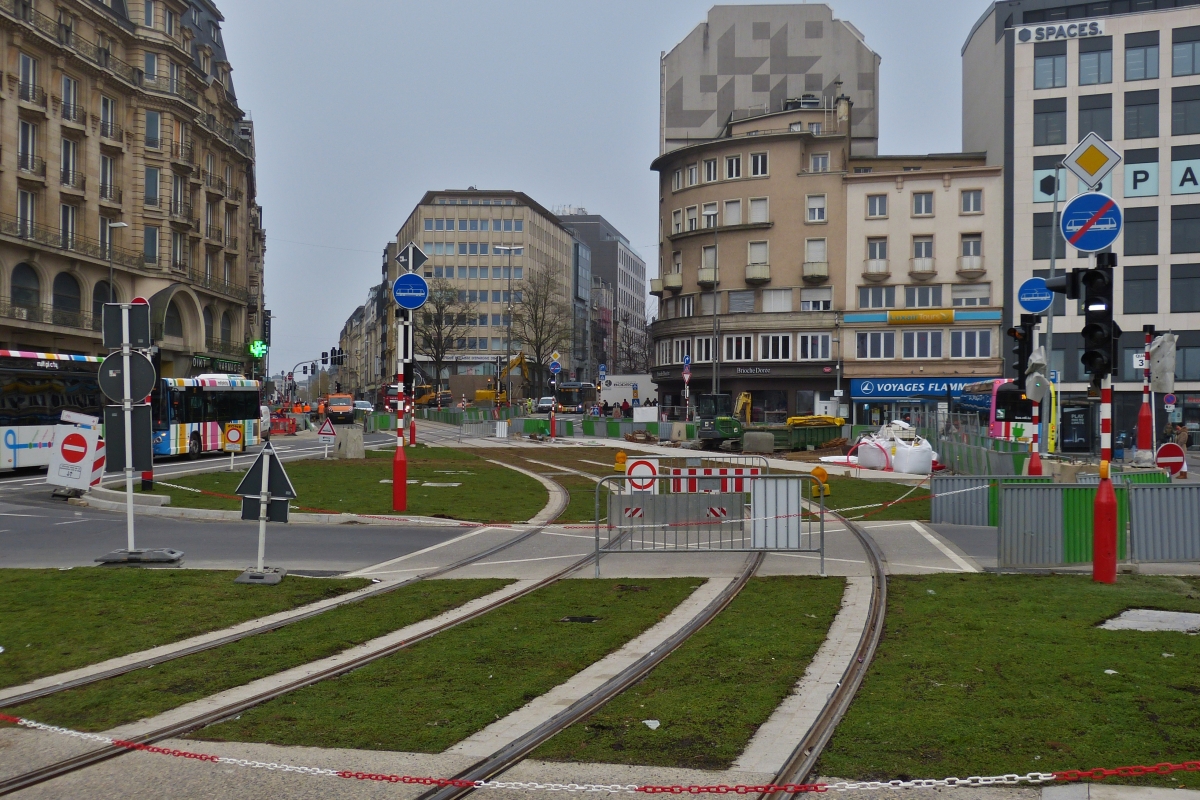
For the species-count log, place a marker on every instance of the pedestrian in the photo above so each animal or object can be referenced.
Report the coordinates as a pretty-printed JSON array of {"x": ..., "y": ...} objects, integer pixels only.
[
  {"x": 606, "y": 409},
  {"x": 625, "y": 407},
  {"x": 1181, "y": 436}
]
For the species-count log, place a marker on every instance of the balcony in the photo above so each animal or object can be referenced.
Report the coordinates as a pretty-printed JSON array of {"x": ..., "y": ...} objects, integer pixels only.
[
  {"x": 922, "y": 269},
  {"x": 110, "y": 193},
  {"x": 673, "y": 281},
  {"x": 180, "y": 262},
  {"x": 758, "y": 273},
  {"x": 47, "y": 314},
  {"x": 970, "y": 266},
  {"x": 183, "y": 152},
  {"x": 31, "y": 164},
  {"x": 214, "y": 345},
  {"x": 182, "y": 212},
  {"x": 66, "y": 36},
  {"x": 876, "y": 269},
  {"x": 656, "y": 287},
  {"x": 231, "y": 242},
  {"x": 707, "y": 277},
  {"x": 73, "y": 112},
  {"x": 163, "y": 84},
  {"x": 233, "y": 194},
  {"x": 75, "y": 243},
  {"x": 209, "y": 281},
  {"x": 214, "y": 183},
  {"x": 112, "y": 131},
  {"x": 815, "y": 271},
  {"x": 31, "y": 93},
  {"x": 72, "y": 179},
  {"x": 214, "y": 234},
  {"x": 153, "y": 201}
]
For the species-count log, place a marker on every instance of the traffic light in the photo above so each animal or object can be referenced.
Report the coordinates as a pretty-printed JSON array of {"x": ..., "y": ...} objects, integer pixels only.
[
  {"x": 1023, "y": 347},
  {"x": 338, "y": 387},
  {"x": 324, "y": 357},
  {"x": 1099, "y": 330},
  {"x": 304, "y": 370},
  {"x": 1068, "y": 283}
]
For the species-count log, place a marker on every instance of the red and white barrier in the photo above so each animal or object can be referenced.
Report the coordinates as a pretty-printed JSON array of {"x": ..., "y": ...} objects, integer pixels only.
[
  {"x": 733, "y": 479},
  {"x": 98, "y": 464}
]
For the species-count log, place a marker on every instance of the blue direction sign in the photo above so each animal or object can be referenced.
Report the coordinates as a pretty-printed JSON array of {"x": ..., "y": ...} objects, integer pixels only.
[
  {"x": 1091, "y": 221},
  {"x": 687, "y": 361},
  {"x": 410, "y": 290},
  {"x": 603, "y": 371},
  {"x": 1034, "y": 297},
  {"x": 555, "y": 367}
]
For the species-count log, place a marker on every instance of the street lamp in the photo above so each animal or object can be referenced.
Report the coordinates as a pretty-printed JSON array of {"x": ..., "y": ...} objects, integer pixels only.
[
  {"x": 510, "y": 249},
  {"x": 111, "y": 226}
]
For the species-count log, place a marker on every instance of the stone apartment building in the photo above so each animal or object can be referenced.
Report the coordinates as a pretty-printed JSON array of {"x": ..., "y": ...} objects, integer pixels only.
[{"x": 124, "y": 152}]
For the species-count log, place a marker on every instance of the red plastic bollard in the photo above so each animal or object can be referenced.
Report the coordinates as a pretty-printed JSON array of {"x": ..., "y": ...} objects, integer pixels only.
[
  {"x": 399, "y": 471},
  {"x": 1145, "y": 428},
  {"x": 412, "y": 425},
  {"x": 148, "y": 481},
  {"x": 1104, "y": 530}
]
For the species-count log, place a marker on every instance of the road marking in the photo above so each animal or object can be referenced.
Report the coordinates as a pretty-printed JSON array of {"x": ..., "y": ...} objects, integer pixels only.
[
  {"x": 940, "y": 545},
  {"x": 72, "y": 521},
  {"x": 855, "y": 561},
  {"x": 525, "y": 560},
  {"x": 366, "y": 571},
  {"x": 17, "y": 515},
  {"x": 571, "y": 535}
]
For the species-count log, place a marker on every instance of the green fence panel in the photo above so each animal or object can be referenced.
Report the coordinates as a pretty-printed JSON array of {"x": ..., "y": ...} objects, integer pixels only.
[
  {"x": 589, "y": 428},
  {"x": 1145, "y": 477},
  {"x": 614, "y": 429},
  {"x": 994, "y": 495},
  {"x": 690, "y": 430},
  {"x": 652, "y": 428},
  {"x": 1078, "y": 505},
  {"x": 565, "y": 428}
]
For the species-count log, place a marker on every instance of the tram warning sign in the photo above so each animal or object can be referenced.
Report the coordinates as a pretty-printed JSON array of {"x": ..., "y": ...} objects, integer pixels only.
[{"x": 327, "y": 434}]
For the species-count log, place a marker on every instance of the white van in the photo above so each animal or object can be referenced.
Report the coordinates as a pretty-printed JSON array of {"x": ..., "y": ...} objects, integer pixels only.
[{"x": 264, "y": 421}]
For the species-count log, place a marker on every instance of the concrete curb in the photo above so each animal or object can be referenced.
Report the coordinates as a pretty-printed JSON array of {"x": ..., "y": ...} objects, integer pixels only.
[
  {"x": 216, "y": 515},
  {"x": 559, "y": 497}
]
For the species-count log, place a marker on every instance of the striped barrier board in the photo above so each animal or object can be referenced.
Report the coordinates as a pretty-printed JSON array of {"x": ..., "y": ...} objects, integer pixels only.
[{"x": 691, "y": 479}]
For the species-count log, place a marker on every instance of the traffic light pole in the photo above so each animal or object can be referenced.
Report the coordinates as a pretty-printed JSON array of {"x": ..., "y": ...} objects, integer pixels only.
[{"x": 1145, "y": 439}]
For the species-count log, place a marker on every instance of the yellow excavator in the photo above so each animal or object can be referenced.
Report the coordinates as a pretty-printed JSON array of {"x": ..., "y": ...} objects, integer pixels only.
[{"x": 496, "y": 394}]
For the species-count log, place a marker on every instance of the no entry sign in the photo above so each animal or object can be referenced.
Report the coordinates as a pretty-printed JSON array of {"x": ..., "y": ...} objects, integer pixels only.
[
  {"x": 72, "y": 457},
  {"x": 641, "y": 473},
  {"x": 74, "y": 447},
  {"x": 1170, "y": 457}
]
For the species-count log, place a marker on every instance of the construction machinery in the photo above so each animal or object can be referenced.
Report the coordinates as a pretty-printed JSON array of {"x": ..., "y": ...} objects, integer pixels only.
[
  {"x": 716, "y": 422},
  {"x": 497, "y": 394},
  {"x": 720, "y": 419}
]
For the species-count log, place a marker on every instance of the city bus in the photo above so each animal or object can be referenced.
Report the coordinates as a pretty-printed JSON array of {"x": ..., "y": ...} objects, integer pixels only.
[
  {"x": 35, "y": 388},
  {"x": 190, "y": 413},
  {"x": 1002, "y": 407},
  {"x": 574, "y": 397}
]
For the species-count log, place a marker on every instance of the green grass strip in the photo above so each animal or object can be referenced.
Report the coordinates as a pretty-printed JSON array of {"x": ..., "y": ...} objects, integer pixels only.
[
  {"x": 987, "y": 674},
  {"x": 713, "y": 693},
  {"x": 58, "y": 620},
  {"x": 444, "y": 689},
  {"x": 354, "y": 486},
  {"x": 152, "y": 691}
]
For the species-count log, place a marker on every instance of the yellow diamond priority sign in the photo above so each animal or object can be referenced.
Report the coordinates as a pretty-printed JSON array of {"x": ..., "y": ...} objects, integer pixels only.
[{"x": 1092, "y": 159}]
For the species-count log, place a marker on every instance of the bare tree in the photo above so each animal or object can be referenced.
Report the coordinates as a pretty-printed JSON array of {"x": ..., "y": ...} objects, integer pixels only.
[
  {"x": 440, "y": 323},
  {"x": 542, "y": 320},
  {"x": 633, "y": 349}
]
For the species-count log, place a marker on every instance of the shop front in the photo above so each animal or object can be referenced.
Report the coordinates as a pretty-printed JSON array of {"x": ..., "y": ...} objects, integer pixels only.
[
  {"x": 878, "y": 401},
  {"x": 777, "y": 391}
]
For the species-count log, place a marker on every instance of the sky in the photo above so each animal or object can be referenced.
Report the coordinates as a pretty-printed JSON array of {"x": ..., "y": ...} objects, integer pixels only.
[{"x": 362, "y": 106}]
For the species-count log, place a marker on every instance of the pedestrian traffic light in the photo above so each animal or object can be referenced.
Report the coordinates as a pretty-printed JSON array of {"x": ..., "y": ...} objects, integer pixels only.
[
  {"x": 1023, "y": 346},
  {"x": 1099, "y": 330},
  {"x": 338, "y": 387},
  {"x": 324, "y": 357},
  {"x": 304, "y": 369}
]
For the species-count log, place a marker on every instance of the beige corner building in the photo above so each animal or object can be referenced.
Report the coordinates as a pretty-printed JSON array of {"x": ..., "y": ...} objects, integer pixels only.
[{"x": 124, "y": 153}]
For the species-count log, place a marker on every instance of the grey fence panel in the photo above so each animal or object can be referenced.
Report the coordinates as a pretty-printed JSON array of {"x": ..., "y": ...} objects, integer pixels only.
[
  {"x": 778, "y": 521},
  {"x": 1164, "y": 522},
  {"x": 477, "y": 430},
  {"x": 960, "y": 499},
  {"x": 1031, "y": 525},
  {"x": 643, "y": 521}
]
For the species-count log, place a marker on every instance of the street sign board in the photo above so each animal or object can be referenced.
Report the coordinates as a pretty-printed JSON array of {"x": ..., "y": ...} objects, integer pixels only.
[
  {"x": 687, "y": 378},
  {"x": 410, "y": 291},
  {"x": 1139, "y": 361},
  {"x": 1034, "y": 297},
  {"x": 1170, "y": 457},
  {"x": 139, "y": 325},
  {"x": 687, "y": 369},
  {"x": 73, "y": 457},
  {"x": 326, "y": 434},
  {"x": 112, "y": 380},
  {"x": 1092, "y": 159},
  {"x": 1091, "y": 221},
  {"x": 114, "y": 432},
  {"x": 278, "y": 483},
  {"x": 603, "y": 371},
  {"x": 687, "y": 361},
  {"x": 1169, "y": 402},
  {"x": 555, "y": 367},
  {"x": 555, "y": 356},
  {"x": 233, "y": 439},
  {"x": 1054, "y": 376},
  {"x": 641, "y": 473},
  {"x": 411, "y": 257}
]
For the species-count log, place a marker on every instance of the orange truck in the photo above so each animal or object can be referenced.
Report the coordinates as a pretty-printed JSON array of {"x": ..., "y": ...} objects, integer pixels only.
[{"x": 339, "y": 408}]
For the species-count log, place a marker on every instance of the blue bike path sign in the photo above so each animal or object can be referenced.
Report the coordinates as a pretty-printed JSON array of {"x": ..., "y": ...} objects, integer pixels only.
[
  {"x": 410, "y": 290},
  {"x": 1034, "y": 297},
  {"x": 1091, "y": 221}
]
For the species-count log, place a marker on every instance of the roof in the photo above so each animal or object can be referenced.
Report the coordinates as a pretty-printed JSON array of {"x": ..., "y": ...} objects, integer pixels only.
[{"x": 520, "y": 197}]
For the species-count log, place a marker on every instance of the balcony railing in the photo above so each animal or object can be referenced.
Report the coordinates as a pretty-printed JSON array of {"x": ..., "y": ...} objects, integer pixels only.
[
  {"x": 707, "y": 277},
  {"x": 111, "y": 130},
  {"x": 217, "y": 285},
  {"x": 66, "y": 36},
  {"x": 47, "y": 314},
  {"x": 922, "y": 268},
  {"x": 73, "y": 178},
  {"x": 153, "y": 201},
  {"x": 163, "y": 84},
  {"x": 876, "y": 269},
  {"x": 970, "y": 266},
  {"x": 75, "y": 243},
  {"x": 180, "y": 262},
  {"x": 214, "y": 234},
  {"x": 110, "y": 193},
  {"x": 214, "y": 182},
  {"x": 758, "y": 273},
  {"x": 32, "y": 93},
  {"x": 31, "y": 164},
  {"x": 153, "y": 143},
  {"x": 233, "y": 193},
  {"x": 213, "y": 345},
  {"x": 228, "y": 135},
  {"x": 231, "y": 242},
  {"x": 815, "y": 271},
  {"x": 183, "y": 151},
  {"x": 183, "y": 213},
  {"x": 673, "y": 281},
  {"x": 73, "y": 112}
]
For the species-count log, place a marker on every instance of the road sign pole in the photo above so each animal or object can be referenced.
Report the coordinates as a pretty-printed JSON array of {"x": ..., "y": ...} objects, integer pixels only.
[
  {"x": 127, "y": 404},
  {"x": 1145, "y": 439},
  {"x": 264, "y": 502},
  {"x": 1104, "y": 509},
  {"x": 1052, "y": 428}
]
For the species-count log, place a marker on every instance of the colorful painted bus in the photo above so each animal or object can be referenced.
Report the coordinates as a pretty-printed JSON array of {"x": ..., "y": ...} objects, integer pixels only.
[
  {"x": 1005, "y": 409},
  {"x": 190, "y": 413},
  {"x": 35, "y": 388}
]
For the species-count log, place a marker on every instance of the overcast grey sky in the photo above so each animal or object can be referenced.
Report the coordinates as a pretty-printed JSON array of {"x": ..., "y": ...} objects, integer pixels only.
[{"x": 361, "y": 106}]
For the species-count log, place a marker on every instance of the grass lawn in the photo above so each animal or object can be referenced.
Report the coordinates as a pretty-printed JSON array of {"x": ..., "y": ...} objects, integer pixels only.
[
  {"x": 851, "y": 492},
  {"x": 444, "y": 689},
  {"x": 147, "y": 692},
  {"x": 990, "y": 674},
  {"x": 711, "y": 694},
  {"x": 354, "y": 486},
  {"x": 57, "y": 620}
]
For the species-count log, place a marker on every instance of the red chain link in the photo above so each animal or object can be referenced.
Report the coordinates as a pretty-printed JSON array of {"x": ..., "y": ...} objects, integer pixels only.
[{"x": 1100, "y": 773}]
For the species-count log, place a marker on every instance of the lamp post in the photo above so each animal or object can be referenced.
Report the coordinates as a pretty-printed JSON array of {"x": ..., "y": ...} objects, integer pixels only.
[
  {"x": 111, "y": 227},
  {"x": 508, "y": 338}
]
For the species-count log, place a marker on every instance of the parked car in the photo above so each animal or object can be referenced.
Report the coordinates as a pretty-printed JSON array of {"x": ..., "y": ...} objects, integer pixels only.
[
  {"x": 544, "y": 406},
  {"x": 363, "y": 405},
  {"x": 264, "y": 422}
]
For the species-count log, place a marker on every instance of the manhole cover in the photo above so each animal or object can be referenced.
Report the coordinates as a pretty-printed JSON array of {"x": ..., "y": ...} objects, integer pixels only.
[
  {"x": 580, "y": 619},
  {"x": 1145, "y": 619}
]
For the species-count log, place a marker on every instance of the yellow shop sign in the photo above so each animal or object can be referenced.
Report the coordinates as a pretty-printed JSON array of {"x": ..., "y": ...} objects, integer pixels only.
[{"x": 920, "y": 316}]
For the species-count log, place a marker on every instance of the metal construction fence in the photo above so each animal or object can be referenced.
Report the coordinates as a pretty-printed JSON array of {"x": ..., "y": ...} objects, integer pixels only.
[
  {"x": 646, "y": 516},
  {"x": 1050, "y": 524},
  {"x": 971, "y": 499},
  {"x": 969, "y": 459},
  {"x": 1164, "y": 522}
]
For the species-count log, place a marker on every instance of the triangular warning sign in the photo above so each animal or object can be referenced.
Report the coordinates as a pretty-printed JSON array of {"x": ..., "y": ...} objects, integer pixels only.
[
  {"x": 326, "y": 428},
  {"x": 278, "y": 483}
]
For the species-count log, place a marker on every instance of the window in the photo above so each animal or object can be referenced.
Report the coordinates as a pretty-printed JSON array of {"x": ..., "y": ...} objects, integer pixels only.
[
  {"x": 1095, "y": 60},
  {"x": 1141, "y": 56},
  {"x": 737, "y": 348},
  {"x": 1044, "y": 233},
  {"x": 877, "y": 205},
  {"x": 970, "y": 344},
  {"x": 26, "y": 212},
  {"x": 1141, "y": 231},
  {"x": 1141, "y": 114},
  {"x": 150, "y": 244},
  {"x": 733, "y": 166},
  {"x": 677, "y": 221},
  {"x": 1050, "y": 65},
  {"x": 815, "y": 251},
  {"x": 1141, "y": 290},
  {"x": 1185, "y": 288},
  {"x": 877, "y": 344},
  {"x": 922, "y": 247},
  {"x": 972, "y": 294},
  {"x": 710, "y": 215},
  {"x": 710, "y": 170},
  {"x": 816, "y": 299},
  {"x": 733, "y": 212},
  {"x": 757, "y": 254},
  {"x": 1095, "y": 115},
  {"x": 1185, "y": 51},
  {"x": 28, "y": 68},
  {"x": 922, "y": 344},
  {"x": 148, "y": 14},
  {"x": 67, "y": 162},
  {"x": 27, "y": 144},
  {"x": 708, "y": 257},
  {"x": 758, "y": 164},
  {"x": 691, "y": 174},
  {"x": 108, "y": 117},
  {"x": 741, "y": 302},
  {"x": 462, "y": 248},
  {"x": 923, "y": 296},
  {"x": 691, "y": 218},
  {"x": 972, "y": 201},
  {"x": 775, "y": 347},
  {"x": 812, "y": 346},
  {"x": 1185, "y": 110},
  {"x": 677, "y": 180},
  {"x": 428, "y": 224},
  {"x": 814, "y": 128},
  {"x": 922, "y": 204},
  {"x": 702, "y": 352},
  {"x": 775, "y": 300},
  {"x": 677, "y": 262},
  {"x": 67, "y": 217},
  {"x": 70, "y": 99},
  {"x": 877, "y": 297},
  {"x": 877, "y": 249},
  {"x": 972, "y": 245},
  {"x": 687, "y": 306},
  {"x": 758, "y": 210},
  {"x": 816, "y": 207},
  {"x": 819, "y": 162},
  {"x": 1050, "y": 121},
  {"x": 152, "y": 183},
  {"x": 151, "y": 62},
  {"x": 153, "y": 130},
  {"x": 1187, "y": 364},
  {"x": 1185, "y": 230}
]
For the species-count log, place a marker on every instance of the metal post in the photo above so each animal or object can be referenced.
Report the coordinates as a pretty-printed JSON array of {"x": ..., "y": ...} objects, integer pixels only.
[
  {"x": 127, "y": 405},
  {"x": 1104, "y": 509},
  {"x": 1052, "y": 432},
  {"x": 1146, "y": 433},
  {"x": 264, "y": 501}
]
